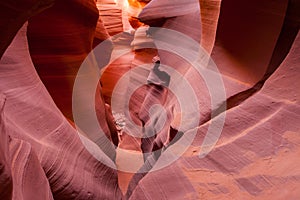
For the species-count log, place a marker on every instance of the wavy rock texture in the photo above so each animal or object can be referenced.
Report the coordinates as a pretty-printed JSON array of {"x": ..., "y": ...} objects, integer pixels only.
[
  {"x": 111, "y": 14},
  {"x": 5, "y": 164},
  {"x": 256, "y": 47},
  {"x": 22, "y": 175},
  {"x": 233, "y": 85},
  {"x": 48, "y": 143},
  {"x": 189, "y": 25},
  {"x": 185, "y": 21},
  {"x": 129, "y": 147},
  {"x": 59, "y": 45},
  {"x": 17, "y": 167},
  {"x": 255, "y": 156},
  {"x": 188, "y": 22}
]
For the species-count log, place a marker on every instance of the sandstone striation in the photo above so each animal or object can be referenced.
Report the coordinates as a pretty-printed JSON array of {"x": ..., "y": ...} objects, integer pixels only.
[{"x": 234, "y": 139}]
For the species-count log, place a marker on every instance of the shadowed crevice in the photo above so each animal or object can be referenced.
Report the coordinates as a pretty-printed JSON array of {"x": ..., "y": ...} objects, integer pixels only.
[
  {"x": 17, "y": 20},
  {"x": 283, "y": 45}
]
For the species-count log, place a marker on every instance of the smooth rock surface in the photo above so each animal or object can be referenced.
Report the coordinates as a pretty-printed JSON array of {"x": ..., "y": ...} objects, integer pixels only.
[
  {"x": 59, "y": 45},
  {"x": 54, "y": 149},
  {"x": 246, "y": 36},
  {"x": 255, "y": 155},
  {"x": 59, "y": 39}
]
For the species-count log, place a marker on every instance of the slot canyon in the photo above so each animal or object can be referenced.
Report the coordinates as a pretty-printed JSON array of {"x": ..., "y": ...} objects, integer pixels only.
[{"x": 149, "y": 99}]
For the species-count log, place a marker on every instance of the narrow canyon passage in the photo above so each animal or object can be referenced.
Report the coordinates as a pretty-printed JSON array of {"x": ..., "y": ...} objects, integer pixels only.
[{"x": 149, "y": 99}]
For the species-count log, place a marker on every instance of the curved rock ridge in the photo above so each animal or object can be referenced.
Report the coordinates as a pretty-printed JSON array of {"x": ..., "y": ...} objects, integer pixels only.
[
  {"x": 135, "y": 57},
  {"x": 12, "y": 176},
  {"x": 256, "y": 46},
  {"x": 232, "y": 87},
  {"x": 44, "y": 144},
  {"x": 5, "y": 164},
  {"x": 181, "y": 23},
  {"x": 59, "y": 39},
  {"x": 254, "y": 156},
  {"x": 184, "y": 21},
  {"x": 59, "y": 45}
]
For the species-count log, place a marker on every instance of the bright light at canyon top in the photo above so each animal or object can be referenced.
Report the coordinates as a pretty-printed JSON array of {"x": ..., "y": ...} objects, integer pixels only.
[
  {"x": 124, "y": 6},
  {"x": 130, "y": 8}
]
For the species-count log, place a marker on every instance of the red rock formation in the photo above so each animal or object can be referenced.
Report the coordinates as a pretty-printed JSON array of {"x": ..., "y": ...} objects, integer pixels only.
[
  {"x": 50, "y": 145},
  {"x": 254, "y": 156},
  {"x": 101, "y": 33},
  {"x": 246, "y": 36},
  {"x": 112, "y": 74},
  {"x": 14, "y": 15},
  {"x": 180, "y": 20},
  {"x": 22, "y": 176},
  {"x": 59, "y": 40},
  {"x": 210, "y": 10},
  {"x": 5, "y": 164},
  {"x": 111, "y": 15},
  {"x": 258, "y": 135},
  {"x": 256, "y": 47},
  {"x": 58, "y": 46}
]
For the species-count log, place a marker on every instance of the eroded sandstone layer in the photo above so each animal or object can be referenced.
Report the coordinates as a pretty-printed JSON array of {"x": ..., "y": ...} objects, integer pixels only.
[{"x": 252, "y": 152}]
